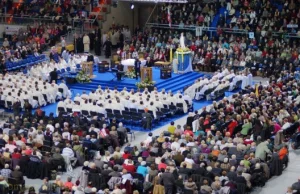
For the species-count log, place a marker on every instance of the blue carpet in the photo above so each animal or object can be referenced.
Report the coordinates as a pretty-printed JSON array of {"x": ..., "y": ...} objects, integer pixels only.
[{"x": 177, "y": 82}]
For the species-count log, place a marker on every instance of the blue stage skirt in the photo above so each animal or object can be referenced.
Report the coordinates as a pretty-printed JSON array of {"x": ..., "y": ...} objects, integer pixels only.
[{"x": 185, "y": 62}]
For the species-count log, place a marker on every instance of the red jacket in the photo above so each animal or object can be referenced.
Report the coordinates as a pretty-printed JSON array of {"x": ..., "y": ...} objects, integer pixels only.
[
  {"x": 232, "y": 126},
  {"x": 129, "y": 168}
]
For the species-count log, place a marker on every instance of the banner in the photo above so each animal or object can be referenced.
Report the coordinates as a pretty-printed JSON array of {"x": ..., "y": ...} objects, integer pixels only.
[
  {"x": 11, "y": 30},
  {"x": 199, "y": 31},
  {"x": 251, "y": 35}
]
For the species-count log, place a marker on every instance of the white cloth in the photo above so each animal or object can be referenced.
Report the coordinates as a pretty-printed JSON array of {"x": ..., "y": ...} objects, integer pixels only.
[{"x": 130, "y": 62}]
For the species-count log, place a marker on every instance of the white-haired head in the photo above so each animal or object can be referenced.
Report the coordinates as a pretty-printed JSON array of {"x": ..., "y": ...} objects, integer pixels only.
[{"x": 209, "y": 169}]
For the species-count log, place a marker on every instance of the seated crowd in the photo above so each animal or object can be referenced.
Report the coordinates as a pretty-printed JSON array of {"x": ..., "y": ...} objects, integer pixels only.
[
  {"x": 56, "y": 11},
  {"x": 22, "y": 92},
  {"x": 265, "y": 54},
  {"x": 260, "y": 17},
  {"x": 234, "y": 145}
]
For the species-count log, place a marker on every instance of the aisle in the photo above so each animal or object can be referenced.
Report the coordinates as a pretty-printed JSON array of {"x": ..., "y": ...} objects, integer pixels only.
[{"x": 279, "y": 184}]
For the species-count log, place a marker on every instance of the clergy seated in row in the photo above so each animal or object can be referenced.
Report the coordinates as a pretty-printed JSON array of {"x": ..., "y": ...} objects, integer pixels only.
[
  {"x": 35, "y": 90},
  {"x": 221, "y": 85},
  {"x": 100, "y": 100}
]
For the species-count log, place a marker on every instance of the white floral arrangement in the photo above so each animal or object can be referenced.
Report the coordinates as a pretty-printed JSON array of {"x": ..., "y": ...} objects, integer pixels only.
[
  {"x": 144, "y": 84},
  {"x": 82, "y": 77},
  {"x": 130, "y": 73}
]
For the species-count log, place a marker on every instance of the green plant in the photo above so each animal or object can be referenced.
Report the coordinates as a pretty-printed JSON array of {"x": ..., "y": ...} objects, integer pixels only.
[
  {"x": 145, "y": 83},
  {"x": 82, "y": 77}
]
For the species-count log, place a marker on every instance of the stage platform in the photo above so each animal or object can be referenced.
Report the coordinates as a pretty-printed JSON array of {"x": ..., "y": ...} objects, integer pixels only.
[{"x": 177, "y": 82}]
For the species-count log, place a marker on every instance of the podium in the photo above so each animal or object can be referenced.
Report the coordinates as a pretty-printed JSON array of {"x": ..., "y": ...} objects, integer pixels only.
[
  {"x": 87, "y": 67},
  {"x": 146, "y": 73}
]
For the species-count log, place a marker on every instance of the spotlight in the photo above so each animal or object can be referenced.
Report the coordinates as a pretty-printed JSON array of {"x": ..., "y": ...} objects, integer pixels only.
[{"x": 132, "y": 6}]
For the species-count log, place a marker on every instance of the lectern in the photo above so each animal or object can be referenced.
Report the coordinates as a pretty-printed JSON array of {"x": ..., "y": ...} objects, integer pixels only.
[
  {"x": 87, "y": 67},
  {"x": 146, "y": 73}
]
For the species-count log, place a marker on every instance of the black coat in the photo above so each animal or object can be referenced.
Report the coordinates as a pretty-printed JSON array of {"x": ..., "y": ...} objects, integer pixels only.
[
  {"x": 276, "y": 165},
  {"x": 149, "y": 63},
  {"x": 107, "y": 46},
  {"x": 240, "y": 179},
  {"x": 53, "y": 76},
  {"x": 232, "y": 176},
  {"x": 97, "y": 46}
]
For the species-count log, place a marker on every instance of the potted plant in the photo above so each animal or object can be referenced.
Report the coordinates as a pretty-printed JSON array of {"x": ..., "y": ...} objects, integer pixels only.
[
  {"x": 82, "y": 77},
  {"x": 146, "y": 84},
  {"x": 130, "y": 73}
]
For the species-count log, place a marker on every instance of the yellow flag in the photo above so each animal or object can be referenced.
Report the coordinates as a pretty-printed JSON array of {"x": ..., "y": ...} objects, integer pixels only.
[
  {"x": 171, "y": 55},
  {"x": 256, "y": 90}
]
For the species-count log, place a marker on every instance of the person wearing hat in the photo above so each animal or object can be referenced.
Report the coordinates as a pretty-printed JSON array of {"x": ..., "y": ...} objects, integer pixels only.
[{"x": 142, "y": 169}]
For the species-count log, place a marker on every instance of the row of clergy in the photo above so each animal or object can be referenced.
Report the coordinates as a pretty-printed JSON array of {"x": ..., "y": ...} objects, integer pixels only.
[
  {"x": 43, "y": 69},
  {"x": 100, "y": 100},
  {"x": 219, "y": 81},
  {"x": 38, "y": 93}
]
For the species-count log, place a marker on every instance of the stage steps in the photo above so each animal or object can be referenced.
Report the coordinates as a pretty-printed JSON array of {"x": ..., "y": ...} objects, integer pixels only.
[
  {"x": 174, "y": 84},
  {"x": 179, "y": 82}
]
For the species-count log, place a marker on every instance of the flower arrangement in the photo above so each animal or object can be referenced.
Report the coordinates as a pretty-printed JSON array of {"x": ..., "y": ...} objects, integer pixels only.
[
  {"x": 144, "y": 84},
  {"x": 82, "y": 77},
  {"x": 186, "y": 49},
  {"x": 130, "y": 73}
]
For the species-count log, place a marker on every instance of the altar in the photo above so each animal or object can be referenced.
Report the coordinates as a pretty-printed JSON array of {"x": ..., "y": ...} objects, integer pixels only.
[
  {"x": 182, "y": 62},
  {"x": 129, "y": 63}
]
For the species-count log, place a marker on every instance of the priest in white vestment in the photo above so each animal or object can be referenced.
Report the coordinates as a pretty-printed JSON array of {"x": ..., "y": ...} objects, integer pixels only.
[
  {"x": 60, "y": 104},
  {"x": 86, "y": 43},
  {"x": 65, "y": 88},
  {"x": 181, "y": 100},
  {"x": 244, "y": 81}
]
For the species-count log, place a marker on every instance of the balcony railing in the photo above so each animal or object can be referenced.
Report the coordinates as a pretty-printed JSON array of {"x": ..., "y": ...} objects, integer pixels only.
[{"x": 212, "y": 30}]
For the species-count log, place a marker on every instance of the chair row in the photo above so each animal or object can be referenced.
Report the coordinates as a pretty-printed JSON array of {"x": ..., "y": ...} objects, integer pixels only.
[{"x": 31, "y": 60}]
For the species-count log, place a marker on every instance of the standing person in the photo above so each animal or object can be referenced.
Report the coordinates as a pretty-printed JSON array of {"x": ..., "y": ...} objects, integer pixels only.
[
  {"x": 17, "y": 108},
  {"x": 86, "y": 43},
  {"x": 53, "y": 76},
  {"x": 98, "y": 33},
  {"x": 121, "y": 40},
  {"x": 168, "y": 180},
  {"x": 137, "y": 68},
  {"x": 63, "y": 44},
  {"x": 107, "y": 44},
  {"x": 2, "y": 66},
  {"x": 146, "y": 119},
  {"x": 92, "y": 40},
  {"x": 80, "y": 44},
  {"x": 97, "y": 46}
]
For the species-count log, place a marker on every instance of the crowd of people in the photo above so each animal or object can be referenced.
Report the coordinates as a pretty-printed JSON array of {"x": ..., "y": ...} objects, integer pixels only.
[
  {"x": 32, "y": 41},
  {"x": 233, "y": 145},
  {"x": 23, "y": 92},
  {"x": 54, "y": 11},
  {"x": 265, "y": 53}
]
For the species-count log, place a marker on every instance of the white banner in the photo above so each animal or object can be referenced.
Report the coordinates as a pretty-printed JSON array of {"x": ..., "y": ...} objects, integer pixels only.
[
  {"x": 199, "y": 31},
  {"x": 292, "y": 26},
  {"x": 11, "y": 30}
]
